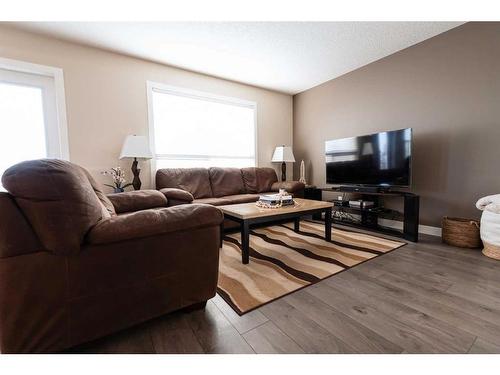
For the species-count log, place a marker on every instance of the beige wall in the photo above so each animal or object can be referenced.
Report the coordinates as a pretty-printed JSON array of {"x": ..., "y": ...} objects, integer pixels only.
[
  {"x": 106, "y": 98},
  {"x": 447, "y": 89}
]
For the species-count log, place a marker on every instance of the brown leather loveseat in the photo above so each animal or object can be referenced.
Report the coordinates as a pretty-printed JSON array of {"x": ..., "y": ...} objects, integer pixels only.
[
  {"x": 221, "y": 186},
  {"x": 76, "y": 265}
]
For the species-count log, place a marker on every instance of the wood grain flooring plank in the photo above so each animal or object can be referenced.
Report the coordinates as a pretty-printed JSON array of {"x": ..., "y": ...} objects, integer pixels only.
[
  {"x": 242, "y": 323},
  {"x": 215, "y": 333},
  {"x": 481, "y": 346},
  {"x": 359, "y": 337},
  {"x": 473, "y": 292},
  {"x": 269, "y": 339},
  {"x": 468, "y": 256},
  {"x": 405, "y": 270},
  {"x": 172, "y": 334},
  {"x": 450, "y": 320},
  {"x": 435, "y": 268},
  {"x": 311, "y": 337},
  {"x": 438, "y": 261},
  {"x": 466, "y": 303},
  {"x": 489, "y": 287},
  {"x": 400, "y": 325}
]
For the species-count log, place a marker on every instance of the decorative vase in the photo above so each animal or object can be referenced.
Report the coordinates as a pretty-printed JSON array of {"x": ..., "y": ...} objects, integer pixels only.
[
  {"x": 302, "y": 173},
  {"x": 118, "y": 190}
]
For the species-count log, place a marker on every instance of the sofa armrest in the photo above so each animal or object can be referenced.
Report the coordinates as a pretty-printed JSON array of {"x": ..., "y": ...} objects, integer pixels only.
[
  {"x": 137, "y": 200},
  {"x": 177, "y": 196},
  {"x": 289, "y": 186},
  {"x": 154, "y": 222}
]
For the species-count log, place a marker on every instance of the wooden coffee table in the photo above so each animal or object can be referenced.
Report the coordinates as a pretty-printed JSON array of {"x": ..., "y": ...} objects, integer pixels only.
[{"x": 248, "y": 214}]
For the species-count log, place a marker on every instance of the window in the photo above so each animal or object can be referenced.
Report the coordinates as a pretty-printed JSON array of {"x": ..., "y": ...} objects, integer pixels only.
[
  {"x": 31, "y": 124},
  {"x": 193, "y": 129}
]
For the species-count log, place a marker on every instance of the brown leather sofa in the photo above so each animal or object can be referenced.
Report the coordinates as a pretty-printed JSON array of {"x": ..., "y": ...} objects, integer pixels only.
[
  {"x": 76, "y": 265},
  {"x": 220, "y": 186}
]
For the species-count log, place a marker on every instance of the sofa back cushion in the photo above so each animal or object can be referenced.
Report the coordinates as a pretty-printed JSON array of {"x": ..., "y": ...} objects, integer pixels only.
[
  {"x": 137, "y": 200},
  {"x": 226, "y": 181},
  {"x": 258, "y": 180},
  {"x": 194, "y": 180},
  {"x": 59, "y": 201}
]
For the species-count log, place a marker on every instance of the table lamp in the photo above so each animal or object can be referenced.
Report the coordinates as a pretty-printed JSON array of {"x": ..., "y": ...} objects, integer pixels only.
[
  {"x": 137, "y": 147},
  {"x": 283, "y": 154}
]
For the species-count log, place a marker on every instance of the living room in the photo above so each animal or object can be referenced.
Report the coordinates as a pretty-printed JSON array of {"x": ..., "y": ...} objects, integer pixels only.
[{"x": 250, "y": 186}]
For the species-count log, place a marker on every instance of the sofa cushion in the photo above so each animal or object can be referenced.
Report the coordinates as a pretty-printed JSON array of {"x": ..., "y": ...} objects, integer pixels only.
[
  {"x": 58, "y": 200},
  {"x": 289, "y": 186},
  {"x": 194, "y": 180},
  {"x": 258, "y": 180},
  {"x": 137, "y": 200},
  {"x": 242, "y": 198},
  {"x": 226, "y": 181},
  {"x": 213, "y": 201},
  {"x": 267, "y": 193},
  {"x": 177, "y": 195}
]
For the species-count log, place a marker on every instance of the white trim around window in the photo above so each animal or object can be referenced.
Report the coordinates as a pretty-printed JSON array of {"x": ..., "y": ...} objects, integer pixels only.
[
  {"x": 195, "y": 94},
  {"x": 52, "y": 80}
]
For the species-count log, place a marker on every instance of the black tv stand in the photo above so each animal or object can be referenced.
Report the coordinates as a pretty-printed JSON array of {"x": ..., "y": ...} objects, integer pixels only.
[
  {"x": 369, "y": 216},
  {"x": 359, "y": 189}
]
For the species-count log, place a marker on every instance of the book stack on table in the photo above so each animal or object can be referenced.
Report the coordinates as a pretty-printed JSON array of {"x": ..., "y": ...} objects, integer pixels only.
[{"x": 276, "y": 200}]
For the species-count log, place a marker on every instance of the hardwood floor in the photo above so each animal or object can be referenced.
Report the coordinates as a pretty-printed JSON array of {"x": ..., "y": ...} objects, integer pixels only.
[{"x": 421, "y": 298}]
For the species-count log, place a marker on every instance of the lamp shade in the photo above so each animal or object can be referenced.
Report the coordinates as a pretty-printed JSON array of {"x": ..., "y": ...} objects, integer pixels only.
[
  {"x": 136, "y": 146},
  {"x": 283, "y": 154}
]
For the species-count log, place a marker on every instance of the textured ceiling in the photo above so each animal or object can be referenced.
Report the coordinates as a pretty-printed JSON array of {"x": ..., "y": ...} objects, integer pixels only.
[{"x": 288, "y": 57}]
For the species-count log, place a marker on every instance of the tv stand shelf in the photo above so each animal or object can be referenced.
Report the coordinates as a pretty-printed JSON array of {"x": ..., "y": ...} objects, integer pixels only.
[
  {"x": 377, "y": 228},
  {"x": 369, "y": 216},
  {"x": 392, "y": 193}
]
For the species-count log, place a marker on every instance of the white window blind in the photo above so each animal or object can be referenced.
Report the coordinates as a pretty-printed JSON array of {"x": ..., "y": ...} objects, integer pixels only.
[{"x": 201, "y": 130}]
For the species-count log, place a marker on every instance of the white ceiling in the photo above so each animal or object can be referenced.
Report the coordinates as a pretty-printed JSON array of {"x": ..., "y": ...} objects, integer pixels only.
[{"x": 284, "y": 56}]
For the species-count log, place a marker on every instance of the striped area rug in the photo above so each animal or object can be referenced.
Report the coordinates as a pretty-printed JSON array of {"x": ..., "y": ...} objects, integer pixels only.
[{"x": 282, "y": 261}]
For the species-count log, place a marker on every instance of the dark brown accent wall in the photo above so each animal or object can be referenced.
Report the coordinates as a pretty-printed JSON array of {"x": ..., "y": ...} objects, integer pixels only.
[{"x": 447, "y": 89}]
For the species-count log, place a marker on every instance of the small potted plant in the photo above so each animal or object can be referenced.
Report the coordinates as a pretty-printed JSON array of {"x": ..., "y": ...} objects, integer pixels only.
[{"x": 118, "y": 176}]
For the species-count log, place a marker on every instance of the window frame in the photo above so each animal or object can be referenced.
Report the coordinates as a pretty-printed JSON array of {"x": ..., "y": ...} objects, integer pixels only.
[
  {"x": 55, "y": 120},
  {"x": 152, "y": 86}
]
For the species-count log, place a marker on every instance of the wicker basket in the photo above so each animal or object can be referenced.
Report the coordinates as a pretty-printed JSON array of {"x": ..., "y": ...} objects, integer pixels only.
[
  {"x": 461, "y": 232},
  {"x": 491, "y": 251}
]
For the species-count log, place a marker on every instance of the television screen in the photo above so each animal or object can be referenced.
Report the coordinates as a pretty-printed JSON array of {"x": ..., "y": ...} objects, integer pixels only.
[{"x": 381, "y": 159}]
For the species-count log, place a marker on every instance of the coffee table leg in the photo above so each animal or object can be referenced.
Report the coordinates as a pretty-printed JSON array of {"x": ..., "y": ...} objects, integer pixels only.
[
  {"x": 328, "y": 224},
  {"x": 245, "y": 242},
  {"x": 296, "y": 224}
]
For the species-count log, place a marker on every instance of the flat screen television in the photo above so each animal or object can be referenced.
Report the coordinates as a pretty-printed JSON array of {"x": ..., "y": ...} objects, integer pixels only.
[{"x": 380, "y": 159}]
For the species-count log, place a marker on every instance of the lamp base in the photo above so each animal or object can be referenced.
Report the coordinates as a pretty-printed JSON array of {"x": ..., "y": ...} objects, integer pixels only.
[
  {"x": 136, "y": 183},
  {"x": 283, "y": 171}
]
